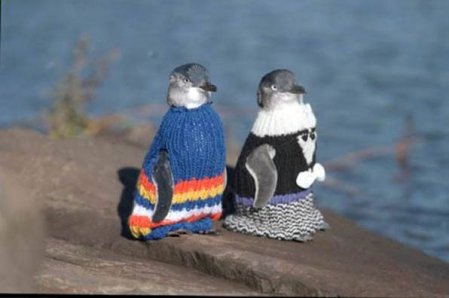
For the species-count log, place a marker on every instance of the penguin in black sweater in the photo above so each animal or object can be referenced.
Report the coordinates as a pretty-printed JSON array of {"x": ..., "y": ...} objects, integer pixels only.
[{"x": 277, "y": 166}]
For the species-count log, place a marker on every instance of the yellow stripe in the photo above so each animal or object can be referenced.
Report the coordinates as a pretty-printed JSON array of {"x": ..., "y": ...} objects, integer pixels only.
[
  {"x": 138, "y": 231},
  {"x": 149, "y": 195},
  {"x": 202, "y": 194}
]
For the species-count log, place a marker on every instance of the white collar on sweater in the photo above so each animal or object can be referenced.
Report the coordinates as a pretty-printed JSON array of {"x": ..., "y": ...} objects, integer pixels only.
[{"x": 286, "y": 119}]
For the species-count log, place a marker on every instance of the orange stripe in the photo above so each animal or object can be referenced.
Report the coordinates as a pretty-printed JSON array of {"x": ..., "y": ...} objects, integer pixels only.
[
  {"x": 184, "y": 186},
  {"x": 145, "y": 222},
  {"x": 145, "y": 182},
  {"x": 198, "y": 184}
]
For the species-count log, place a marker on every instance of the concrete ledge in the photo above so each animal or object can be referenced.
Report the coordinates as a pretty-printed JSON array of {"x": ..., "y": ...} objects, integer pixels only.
[
  {"x": 85, "y": 186},
  {"x": 81, "y": 269}
]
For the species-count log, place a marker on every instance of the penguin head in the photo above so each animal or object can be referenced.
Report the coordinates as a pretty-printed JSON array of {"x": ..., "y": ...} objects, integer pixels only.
[
  {"x": 189, "y": 86},
  {"x": 278, "y": 88}
]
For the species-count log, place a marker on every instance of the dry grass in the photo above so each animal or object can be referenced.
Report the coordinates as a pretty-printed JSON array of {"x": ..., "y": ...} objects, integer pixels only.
[{"x": 67, "y": 117}]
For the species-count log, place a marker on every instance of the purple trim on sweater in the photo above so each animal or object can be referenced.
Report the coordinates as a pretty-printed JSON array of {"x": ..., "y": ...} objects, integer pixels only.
[{"x": 279, "y": 199}]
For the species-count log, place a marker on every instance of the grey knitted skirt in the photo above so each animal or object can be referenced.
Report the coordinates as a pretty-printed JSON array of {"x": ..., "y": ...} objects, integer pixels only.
[{"x": 290, "y": 221}]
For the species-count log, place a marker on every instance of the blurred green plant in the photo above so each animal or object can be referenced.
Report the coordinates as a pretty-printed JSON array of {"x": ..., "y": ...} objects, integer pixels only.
[{"x": 67, "y": 116}]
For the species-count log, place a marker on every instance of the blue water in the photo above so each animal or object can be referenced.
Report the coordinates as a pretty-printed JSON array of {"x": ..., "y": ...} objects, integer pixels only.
[{"x": 368, "y": 66}]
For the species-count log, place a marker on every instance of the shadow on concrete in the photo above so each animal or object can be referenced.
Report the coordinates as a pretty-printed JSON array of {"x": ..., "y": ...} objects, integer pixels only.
[
  {"x": 128, "y": 177},
  {"x": 228, "y": 194}
]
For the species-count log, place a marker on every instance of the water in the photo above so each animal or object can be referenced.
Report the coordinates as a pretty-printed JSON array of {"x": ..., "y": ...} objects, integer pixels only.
[{"x": 367, "y": 65}]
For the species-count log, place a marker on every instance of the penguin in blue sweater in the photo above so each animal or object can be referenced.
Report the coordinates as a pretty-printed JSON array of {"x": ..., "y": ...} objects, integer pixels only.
[{"x": 183, "y": 175}]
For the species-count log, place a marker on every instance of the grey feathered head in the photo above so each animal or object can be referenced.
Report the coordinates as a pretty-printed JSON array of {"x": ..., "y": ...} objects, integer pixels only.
[
  {"x": 189, "y": 86},
  {"x": 277, "y": 87}
]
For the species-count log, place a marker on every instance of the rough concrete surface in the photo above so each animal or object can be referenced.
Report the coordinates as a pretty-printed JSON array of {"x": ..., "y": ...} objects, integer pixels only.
[
  {"x": 85, "y": 189},
  {"x": 21, "y": 237}
]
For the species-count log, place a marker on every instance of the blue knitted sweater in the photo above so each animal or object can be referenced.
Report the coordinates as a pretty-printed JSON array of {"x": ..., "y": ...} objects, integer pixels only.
[{"x": 194, "y": 140}]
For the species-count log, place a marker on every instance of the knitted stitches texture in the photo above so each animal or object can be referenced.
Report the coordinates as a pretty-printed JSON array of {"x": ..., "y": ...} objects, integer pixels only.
[
  {"x": 284, "y": 120},
  {"x": 297, "y": 221},
  {"x": 289, "y": 161},
  {"x": 290, "y": 213},
  {"x": 194, "y": 140}
]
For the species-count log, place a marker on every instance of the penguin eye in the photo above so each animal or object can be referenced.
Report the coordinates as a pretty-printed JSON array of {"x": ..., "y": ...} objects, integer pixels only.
[
  {"x": 274, "y": 87},
  {"x": 185, "y": 80}
]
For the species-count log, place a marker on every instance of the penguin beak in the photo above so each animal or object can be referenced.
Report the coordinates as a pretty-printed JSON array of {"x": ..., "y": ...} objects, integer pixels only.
[
  {"x": 206, "y": 86},
  {"x": 297, "y": 89}
]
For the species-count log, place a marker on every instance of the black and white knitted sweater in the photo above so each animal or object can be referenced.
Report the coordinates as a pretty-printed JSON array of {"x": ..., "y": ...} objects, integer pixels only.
[
  {"x": 290, "y": 214},
  {"x": 291, "y": 132}
]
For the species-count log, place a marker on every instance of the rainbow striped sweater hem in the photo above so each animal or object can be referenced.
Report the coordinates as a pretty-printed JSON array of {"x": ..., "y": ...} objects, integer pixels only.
[{"x": 194, "y": 204}]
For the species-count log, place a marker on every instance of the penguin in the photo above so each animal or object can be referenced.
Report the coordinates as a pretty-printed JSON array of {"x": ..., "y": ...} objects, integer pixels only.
[
  {"x": 183, "y": 174},
  {"x": 277, "y": 165}
]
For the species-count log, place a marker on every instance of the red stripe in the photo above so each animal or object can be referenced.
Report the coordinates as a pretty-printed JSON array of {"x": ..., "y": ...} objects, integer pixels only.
[
  {"x": 145, "y": 182},
  {"x": 145, "y": 222},
  {"x": 184, "y": 186}
]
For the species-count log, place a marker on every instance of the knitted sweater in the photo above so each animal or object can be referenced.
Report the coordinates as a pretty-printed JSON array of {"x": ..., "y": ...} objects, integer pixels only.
[
  {"x": 290, "y": 213},
  {"x": 291, "y": 132},
  {"x": 194, "y": 141}
]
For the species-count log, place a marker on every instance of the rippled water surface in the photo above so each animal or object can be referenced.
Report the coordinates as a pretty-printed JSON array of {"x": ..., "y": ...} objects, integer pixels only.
[{"x": 375, "y": 71}]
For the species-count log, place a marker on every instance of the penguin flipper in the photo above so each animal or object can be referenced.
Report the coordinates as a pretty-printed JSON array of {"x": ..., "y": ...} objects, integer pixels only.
[
  {"x": 163, "y": 179},
  {"x": 263, "y": 170}
]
